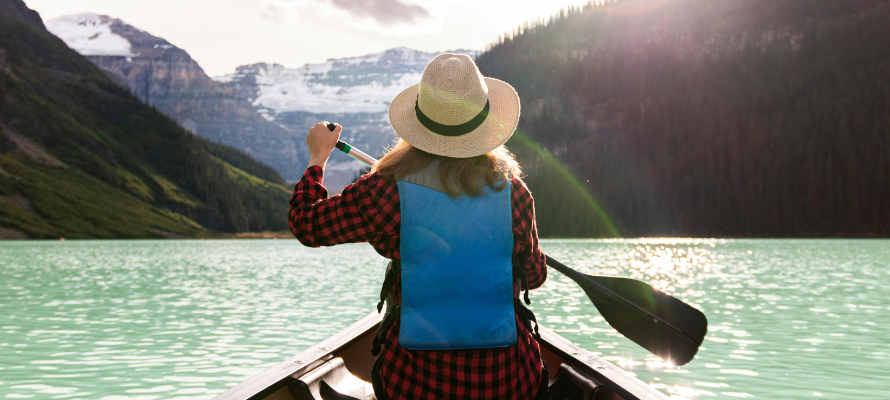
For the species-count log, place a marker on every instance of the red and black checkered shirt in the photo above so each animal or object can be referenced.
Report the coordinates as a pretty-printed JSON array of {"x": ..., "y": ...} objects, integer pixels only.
[{"x": 368, "y": 211}]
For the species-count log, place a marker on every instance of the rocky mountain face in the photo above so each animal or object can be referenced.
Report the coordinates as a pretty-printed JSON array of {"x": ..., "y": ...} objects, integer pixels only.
[
  {"x": 263, "y": 109},
  {"x": 167, "y": 78},
  {"x": 82, "y": 157},
  {"x": 14, "y": 9},
  {"x": 354, "y": 92}
]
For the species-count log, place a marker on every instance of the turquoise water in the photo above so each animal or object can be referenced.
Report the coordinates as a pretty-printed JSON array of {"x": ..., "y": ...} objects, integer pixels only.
[{"x": 789, "y": 319}]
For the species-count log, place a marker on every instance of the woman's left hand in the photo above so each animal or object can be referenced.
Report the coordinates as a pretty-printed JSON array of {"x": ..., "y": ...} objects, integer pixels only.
[{"x": 321, "y": 141}]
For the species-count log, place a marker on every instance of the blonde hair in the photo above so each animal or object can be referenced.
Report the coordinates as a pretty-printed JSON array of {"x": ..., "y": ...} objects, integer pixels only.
[{"x": 404, "y": 159}]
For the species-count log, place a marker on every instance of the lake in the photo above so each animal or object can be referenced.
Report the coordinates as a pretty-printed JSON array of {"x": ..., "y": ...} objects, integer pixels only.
[{"x": 788, "y": 319}]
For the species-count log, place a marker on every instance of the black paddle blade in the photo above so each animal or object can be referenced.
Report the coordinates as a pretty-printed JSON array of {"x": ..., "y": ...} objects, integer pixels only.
[{"x": 664, "y": 325}]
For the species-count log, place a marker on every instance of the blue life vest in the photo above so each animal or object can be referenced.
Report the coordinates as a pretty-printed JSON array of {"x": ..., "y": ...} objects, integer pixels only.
[{"x": 456, "y": 266}]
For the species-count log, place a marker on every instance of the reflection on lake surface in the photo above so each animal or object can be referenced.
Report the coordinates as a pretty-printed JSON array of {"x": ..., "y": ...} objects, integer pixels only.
[{"x": 789, "y": 319}]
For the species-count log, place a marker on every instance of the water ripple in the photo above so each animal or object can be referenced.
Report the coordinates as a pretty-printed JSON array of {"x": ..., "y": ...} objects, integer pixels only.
[
  {"x": 189, "y": 319},
  {"x": 779, "y": 312}
]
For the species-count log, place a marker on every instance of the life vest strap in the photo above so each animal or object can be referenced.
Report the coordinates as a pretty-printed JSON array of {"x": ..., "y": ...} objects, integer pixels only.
[
  {"x": 520, "y": 275},
  {"x": 392, "y": 271},
  {"x": 392, "y": 313},
  {"x": 527, "y": 317}
]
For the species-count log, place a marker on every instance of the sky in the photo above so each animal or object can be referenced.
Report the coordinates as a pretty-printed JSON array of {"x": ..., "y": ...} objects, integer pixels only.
[{"x": 224, "y": 34}]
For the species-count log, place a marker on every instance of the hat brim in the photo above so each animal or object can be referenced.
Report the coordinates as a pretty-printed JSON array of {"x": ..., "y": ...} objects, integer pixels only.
[{"x": 492, "y": 133}]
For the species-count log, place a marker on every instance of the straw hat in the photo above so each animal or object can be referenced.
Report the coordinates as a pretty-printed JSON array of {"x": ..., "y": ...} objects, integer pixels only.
[{"x": 454, "y": 111}]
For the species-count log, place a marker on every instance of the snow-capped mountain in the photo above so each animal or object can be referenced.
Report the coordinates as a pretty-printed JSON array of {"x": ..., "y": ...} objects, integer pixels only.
[
  {"x": 354, "y": 92},
  {"x": 363, "y": 84},
  {"x": 166, "y": 77},
  {"x": 91, "y": 35},
  {"x": 263, "y": 109}
]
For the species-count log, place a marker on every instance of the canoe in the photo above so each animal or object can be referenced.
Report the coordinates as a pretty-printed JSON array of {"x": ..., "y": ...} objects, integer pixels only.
[{"x": 343, "y": 363}]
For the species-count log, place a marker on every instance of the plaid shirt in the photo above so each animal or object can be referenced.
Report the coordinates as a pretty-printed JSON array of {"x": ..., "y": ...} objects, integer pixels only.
[{"x": 368, "y": 211}]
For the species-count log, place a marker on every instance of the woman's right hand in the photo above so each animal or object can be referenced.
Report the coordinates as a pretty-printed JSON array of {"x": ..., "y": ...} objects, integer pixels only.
[{"x": 321, "y": 141}]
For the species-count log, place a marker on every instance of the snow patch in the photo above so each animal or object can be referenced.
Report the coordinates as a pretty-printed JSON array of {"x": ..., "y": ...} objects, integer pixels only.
[
  {"x": 90, "y": 35},
  {"x": 225, "y": 78},
  {"x": 283, "y": 90},
  {"x": 364, "y": 84}
]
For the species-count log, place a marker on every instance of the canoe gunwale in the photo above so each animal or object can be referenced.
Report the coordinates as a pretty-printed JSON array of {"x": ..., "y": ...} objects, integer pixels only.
[
  {"x": 606, "y": 373},
  {"x": 286, "y": 372},
  {"x": 274, "y": 378}
]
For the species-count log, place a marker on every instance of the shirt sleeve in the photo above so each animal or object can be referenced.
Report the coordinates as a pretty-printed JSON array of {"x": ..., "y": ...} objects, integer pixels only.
[
  {"x": 525, "y": 235},
  {"x": 361, "y": 212}
]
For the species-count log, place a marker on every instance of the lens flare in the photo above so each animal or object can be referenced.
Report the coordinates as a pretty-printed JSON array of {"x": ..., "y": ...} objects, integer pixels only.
[{"x": 523, "y": 140}]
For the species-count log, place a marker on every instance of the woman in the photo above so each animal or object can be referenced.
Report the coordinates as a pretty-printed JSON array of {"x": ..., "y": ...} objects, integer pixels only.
[{"x": 446, "y": 205}]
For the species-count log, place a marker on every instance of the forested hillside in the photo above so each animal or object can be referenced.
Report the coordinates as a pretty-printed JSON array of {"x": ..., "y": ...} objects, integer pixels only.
[
  {"x": 167, "y": 78},
  {"x": 705, "y": 117},
  {"x": 81, "y": 156}
]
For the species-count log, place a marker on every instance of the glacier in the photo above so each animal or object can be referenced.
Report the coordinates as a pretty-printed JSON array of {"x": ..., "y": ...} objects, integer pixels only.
[
  {"x": 90, "y": 35},
  {"x": 364, "y": 84},
  {"x": 263, "y": 109}
]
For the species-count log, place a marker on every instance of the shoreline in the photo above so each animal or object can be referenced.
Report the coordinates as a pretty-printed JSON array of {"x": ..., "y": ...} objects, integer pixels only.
[{"x": 287, "y": 235}]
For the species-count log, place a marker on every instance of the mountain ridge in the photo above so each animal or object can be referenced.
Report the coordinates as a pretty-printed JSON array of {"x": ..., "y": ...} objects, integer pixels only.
[
  {"x": 706, "y": 118},
  {"x": 354, "y": 91},
  {"x": 263, "y": 108},
  {"x": 15, "y": 9},
  {"x": 81, "y": 157},
  {"x": 166, "y": 77}
]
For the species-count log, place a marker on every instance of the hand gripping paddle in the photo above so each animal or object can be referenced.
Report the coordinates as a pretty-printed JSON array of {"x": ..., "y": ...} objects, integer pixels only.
[{"x": 352, "y": 152}]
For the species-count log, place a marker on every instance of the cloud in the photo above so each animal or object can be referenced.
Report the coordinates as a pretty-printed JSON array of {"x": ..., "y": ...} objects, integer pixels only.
[
  {"x": 280, "y": 11},
  {"x": 274, "y": 13},
  {"x": 383, "y": 12},
  {"x": 388, "y": 17}
]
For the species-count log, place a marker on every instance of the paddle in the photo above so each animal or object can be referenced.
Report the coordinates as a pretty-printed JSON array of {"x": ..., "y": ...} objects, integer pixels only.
[
  {"x": 664, "y": 325},
  {"x": 352, "y": 152}
]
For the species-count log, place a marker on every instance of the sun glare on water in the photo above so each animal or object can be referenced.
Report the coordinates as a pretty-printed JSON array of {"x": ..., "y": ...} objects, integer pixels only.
[{"x": 669, "y": 263}]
